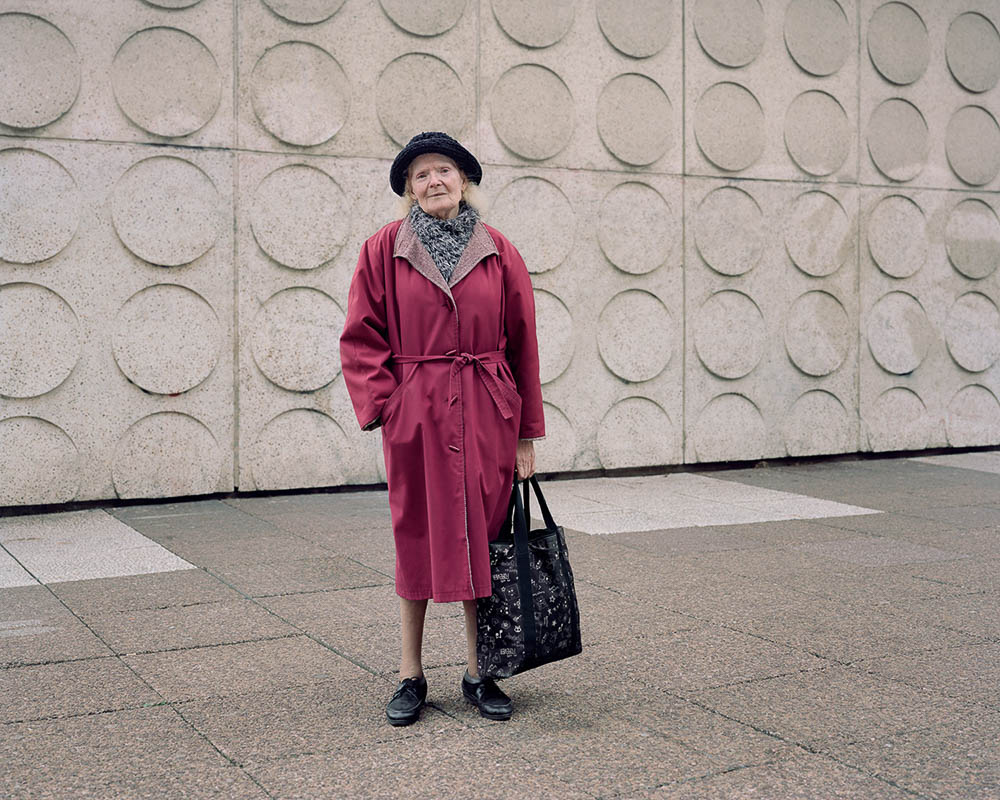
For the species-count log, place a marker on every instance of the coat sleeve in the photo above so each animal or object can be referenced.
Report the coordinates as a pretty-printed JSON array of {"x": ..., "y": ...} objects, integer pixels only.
[
  {"x": 522, "y": 341},
  {"x": 364, "y": 344}
]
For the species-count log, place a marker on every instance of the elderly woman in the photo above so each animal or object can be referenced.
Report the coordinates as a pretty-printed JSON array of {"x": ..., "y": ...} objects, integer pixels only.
[{"x": 439, "y": 349}]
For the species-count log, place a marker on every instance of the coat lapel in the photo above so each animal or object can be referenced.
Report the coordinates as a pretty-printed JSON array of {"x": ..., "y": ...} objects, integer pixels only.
[
  {"x": 480, "y": 245},
  {"x": 409, "y": 246}
]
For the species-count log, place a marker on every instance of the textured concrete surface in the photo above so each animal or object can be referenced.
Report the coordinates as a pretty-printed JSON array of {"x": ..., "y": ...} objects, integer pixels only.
[
  {"x": 845, "y": 656},
  {"x": 756, "y": 228}
]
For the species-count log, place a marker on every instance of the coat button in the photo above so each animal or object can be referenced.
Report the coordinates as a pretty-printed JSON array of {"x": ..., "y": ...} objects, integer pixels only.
[{"x": 453, "y": 448}]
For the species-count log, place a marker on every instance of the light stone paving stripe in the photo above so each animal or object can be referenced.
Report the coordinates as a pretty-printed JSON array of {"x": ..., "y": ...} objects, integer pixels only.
[
  {"x": 13, "y": 574},
  {"x": 680, "y": 500},
  {"x": 981, "y": 462},
  {"x": 78, "y": 545}
]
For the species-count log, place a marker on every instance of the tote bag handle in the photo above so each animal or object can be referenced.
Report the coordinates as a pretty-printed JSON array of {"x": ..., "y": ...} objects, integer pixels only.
[{"x": 546, "y": 514}]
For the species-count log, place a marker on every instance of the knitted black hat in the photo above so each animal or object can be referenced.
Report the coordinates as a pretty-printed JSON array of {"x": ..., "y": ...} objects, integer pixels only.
[{"x": 432, "y": 142}]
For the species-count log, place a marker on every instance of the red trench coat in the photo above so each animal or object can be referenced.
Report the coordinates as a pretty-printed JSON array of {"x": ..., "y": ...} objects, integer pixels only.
[{"x": 451, "y": 375}]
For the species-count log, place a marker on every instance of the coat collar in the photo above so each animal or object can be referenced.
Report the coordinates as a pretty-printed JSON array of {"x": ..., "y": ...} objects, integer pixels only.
[{"x": 409, "y": 246}]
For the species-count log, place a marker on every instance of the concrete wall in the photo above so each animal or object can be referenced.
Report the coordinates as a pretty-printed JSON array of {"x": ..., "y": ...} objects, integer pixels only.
[{"x": 757, "y": 228}]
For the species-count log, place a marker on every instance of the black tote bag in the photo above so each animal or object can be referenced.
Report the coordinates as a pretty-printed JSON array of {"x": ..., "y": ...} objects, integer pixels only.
[{"x": 532, "y": 618}]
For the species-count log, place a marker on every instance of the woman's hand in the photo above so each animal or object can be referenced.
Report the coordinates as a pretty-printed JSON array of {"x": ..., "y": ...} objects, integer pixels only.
[{"x": 525, "y": 458}]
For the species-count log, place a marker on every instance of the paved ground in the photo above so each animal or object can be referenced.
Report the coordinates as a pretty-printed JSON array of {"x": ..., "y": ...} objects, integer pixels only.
[{"x": 818, "y": 631}]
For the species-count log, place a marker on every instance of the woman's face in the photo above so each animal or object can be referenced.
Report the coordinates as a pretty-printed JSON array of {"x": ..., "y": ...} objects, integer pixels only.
[{"x": 437, "y": 183}]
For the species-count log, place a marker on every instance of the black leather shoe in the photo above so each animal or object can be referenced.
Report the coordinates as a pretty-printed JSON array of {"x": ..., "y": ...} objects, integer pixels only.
[
  {"x": 408, "y": 699},
  {"x": 485, "y": 695}
]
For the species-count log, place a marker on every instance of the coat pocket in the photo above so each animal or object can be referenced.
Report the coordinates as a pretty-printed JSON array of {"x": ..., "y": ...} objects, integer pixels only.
[{"x": 392, "y": 401}]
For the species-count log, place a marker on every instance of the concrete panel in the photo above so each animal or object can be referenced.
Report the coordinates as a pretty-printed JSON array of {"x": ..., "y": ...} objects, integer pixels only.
[
  {"x": 117, "y": 316},
  {"x": 135, "y": 72},
  {"x": 920, "y": 122},
  {"x": 770, "y": 320},
  {"x": 930, "y": 329},
  {"x": 770, "y": 89},
  {"x": 588, "y": 85}
]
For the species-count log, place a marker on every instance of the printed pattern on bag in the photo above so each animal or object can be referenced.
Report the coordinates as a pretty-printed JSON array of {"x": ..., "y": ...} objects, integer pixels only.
[{"x": 500, "y": 640}]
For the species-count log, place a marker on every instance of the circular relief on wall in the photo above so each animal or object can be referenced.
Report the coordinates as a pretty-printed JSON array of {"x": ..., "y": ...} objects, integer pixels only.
[
  {"x": 636, "y": 432},
  {"x": 973, "y": 417},
  {"x": 729, "y": 334},
  {"x": 166, "y": 211},
  {"x": 166, "y": 454},
  {"x": 39, "y": 71},
  {"x": 816, "y": 424},
  {"x": 897, "y": 139},
  {"x": 297, "y": 449},
  {"x": 972, "y": 144},
  {"x": 39, "y": 340},
  {"x": 535, "y": 215},
  {"x": 635, "y": 335},
  {"x": 972, "y": 238},
  {"x": 972, "y": 332},
  {"x": 730, "y": 31},
  {"x": 637, "y": 28},
  {"x": 635, "y": 119},
  {"x": 729, "y": 231},
  {"x": 898, "y": 420},
  {"x": 420, "y": 92},
  {"x": 818, "y": 234},
  {"x": 534, "y": 24},
  {"x": 167, "y": 339},
  {"x": 898, "y": 43},
  {"x": 817, "y": 333},
  {"x": 729, "y": 428},
  {"x": 636, "y": 228},
  {"x": 300, "y": 94},
  {"x": 532, "y": 111},
  {"x": 295, "y": 336},
  {"x": 555, "y": 335},
  {"x": 723, "y": 108},
  {"x": 42, "y": 465},
  {"x": 166, "y": 81},
  {"x": 557, "y": 451},
  {"x": 305, "y": 12},
  {"x": 897, "y": 236},
  {"x": 817, "y": 35},
  {"x": 39, "y": 206},
  {"x": 817, "y": 133},
  {"x": 972, "y": 50},
  {"x": 300, "y": 216},
  {"x": 173, "y": 4},
  {"x": 899, "y": 333},
  {"x": 425, "y": 18}
]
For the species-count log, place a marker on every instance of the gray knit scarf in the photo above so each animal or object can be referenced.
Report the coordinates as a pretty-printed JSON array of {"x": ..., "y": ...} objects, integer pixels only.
[{"x": 445, "y": 239}]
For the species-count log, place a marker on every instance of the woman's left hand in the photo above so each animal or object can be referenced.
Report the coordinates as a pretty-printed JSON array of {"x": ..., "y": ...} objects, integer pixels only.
[{"x": 525, "y": 458}]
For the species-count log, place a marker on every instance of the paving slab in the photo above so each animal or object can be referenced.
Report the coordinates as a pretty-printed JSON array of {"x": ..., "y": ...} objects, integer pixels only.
[
  {"x": 35, "y": 628},
  {"x": 133, "y": 753},
  {"x": 178, "y": 627},
  {"x": 219, "y": 552},
  {"x": 338, "y": 612},
  {"x": 305, "y": 575},
  {"x": 970, "y": 673},
  {"x": 958, "y": 762},
  {"x": 822, "y": 709},
  {"x": 70, "y": 688},
  {"x": 12, "y": 573},
  {"x": 239, "y": 668},
  {"x": 579, "y": 756},
  {"x": 346, "y": 713},
  {"x": 445, "y": 766},
  {"x": 136, "y": 592},
  {"x": 805, "y": 777},
  {"x": 976, "y": 615},
  {"x": 74, "y": 545}
]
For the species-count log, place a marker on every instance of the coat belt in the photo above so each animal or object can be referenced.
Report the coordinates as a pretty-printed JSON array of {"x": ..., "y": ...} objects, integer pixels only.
[{"x": 461, "y": 360}]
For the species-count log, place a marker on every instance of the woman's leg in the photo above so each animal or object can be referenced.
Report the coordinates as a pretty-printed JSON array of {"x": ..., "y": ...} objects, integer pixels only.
[
  {"x": 411, "y": 617},
  {"x": 469, "y": 607}
]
